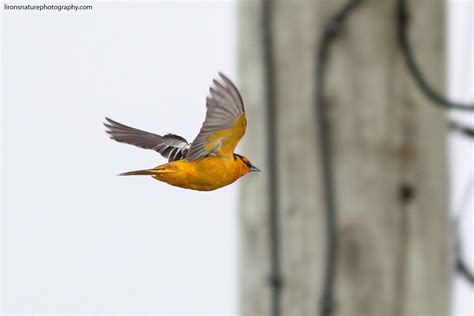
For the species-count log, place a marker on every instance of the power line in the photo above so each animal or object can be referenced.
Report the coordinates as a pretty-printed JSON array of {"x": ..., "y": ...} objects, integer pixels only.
[
  {"x": 464, "y": 130},
  {"x": 461, "y": 265},
  {"x": 403, "y": 19},
  {"x": 330, "y": 32},
  {"x": 275, "y": 279}
]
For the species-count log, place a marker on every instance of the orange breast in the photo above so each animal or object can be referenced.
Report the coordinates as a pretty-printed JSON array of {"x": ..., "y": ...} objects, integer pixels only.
[{"x": 205, "y": 174}]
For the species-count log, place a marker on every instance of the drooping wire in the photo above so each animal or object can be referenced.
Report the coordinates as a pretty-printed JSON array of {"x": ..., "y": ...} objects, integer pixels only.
[
  {"x": 403, "y": 19},
  {"x": 463, "y": 269},
  {"x": 330, "y": 32},
  {"x": 275, "y": 279},
  {"x": 402, "y": 25},
  {"x": 461, "y": 266},
  {"x": 464, "y": 130}
]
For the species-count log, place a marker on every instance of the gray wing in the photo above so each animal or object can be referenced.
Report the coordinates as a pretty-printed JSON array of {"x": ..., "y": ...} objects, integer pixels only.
[
  {"x": 224, "y": 106},
  {"x": 170, "y": 146}
]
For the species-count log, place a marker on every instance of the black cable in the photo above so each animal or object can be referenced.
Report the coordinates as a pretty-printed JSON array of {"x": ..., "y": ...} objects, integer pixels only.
[
  {"x": 330, "y": 32},
  {"x": 465, "y": 130},
  {"x": 461, "y": 266},
  {"x": 428, "y": 91},
  {"x": 272, "y": 158},
  {"x": 464, "y": 270},
  {"x": 403, "y": 18}
]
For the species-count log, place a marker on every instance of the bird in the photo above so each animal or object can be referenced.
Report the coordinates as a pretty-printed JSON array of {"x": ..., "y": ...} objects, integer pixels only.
[{"x": 209, "y": 162}]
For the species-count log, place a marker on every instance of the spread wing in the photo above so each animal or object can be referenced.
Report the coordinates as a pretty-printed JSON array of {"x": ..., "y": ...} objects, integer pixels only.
[
  {"x": 225, "y": 122},
  {"x": 170, "y": 146}
]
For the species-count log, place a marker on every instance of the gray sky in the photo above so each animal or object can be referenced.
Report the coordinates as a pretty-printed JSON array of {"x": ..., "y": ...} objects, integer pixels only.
[{"x": 75, "y": 237}]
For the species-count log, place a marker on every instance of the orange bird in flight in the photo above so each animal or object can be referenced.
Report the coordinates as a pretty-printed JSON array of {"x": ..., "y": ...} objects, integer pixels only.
[{"x": 209, "y": 162}]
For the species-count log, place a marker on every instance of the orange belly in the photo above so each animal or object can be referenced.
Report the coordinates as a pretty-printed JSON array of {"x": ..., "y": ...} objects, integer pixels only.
[{"x": 206, "y": 174}]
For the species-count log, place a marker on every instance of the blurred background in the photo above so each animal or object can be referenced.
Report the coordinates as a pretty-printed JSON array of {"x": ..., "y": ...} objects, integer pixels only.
[{"x": 77, "y": 239}]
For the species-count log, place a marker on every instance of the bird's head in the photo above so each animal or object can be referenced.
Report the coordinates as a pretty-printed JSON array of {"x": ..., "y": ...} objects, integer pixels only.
[{"x": 248, "y": 167}]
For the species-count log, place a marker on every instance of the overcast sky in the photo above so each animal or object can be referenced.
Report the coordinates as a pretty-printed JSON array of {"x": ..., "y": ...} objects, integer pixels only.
[{"x": 77, "y": 238}]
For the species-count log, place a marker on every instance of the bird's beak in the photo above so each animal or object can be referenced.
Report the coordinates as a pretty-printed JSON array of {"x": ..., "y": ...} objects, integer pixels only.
[{"x": 254, "y": 169}]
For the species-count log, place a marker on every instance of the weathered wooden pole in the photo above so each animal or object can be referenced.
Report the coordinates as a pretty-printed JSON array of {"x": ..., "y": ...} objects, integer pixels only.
[{"x": 389, "y": 155}]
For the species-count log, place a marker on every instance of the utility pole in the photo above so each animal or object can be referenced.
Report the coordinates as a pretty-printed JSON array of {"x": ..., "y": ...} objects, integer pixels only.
[{"x": 389, "y": 158}]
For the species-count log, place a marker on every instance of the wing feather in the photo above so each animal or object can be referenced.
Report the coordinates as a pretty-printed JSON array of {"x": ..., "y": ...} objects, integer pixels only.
[
  {"x": 170, "y": 146},
  {"x": 225, "y": 122}
]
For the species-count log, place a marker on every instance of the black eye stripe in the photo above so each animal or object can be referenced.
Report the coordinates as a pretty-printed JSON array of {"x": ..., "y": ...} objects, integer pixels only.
[{"x": 244, "y": 160}]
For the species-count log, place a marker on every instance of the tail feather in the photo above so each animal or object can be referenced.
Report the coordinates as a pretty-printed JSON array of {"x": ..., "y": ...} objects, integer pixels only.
[{"x": 145, "y": 172}]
